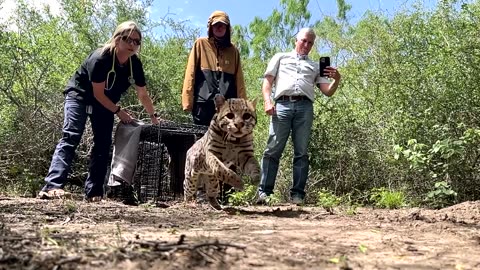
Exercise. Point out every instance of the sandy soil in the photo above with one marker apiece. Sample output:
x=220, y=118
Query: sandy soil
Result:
x=71, y=234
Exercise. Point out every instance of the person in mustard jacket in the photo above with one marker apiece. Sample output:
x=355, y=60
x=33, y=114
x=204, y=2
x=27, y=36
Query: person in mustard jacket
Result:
x=213, y=68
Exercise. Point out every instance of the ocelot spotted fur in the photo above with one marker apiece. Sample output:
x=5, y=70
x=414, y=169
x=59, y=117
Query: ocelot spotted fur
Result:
x=228, y=143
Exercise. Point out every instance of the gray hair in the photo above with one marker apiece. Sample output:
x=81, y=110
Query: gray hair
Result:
x=307, y=30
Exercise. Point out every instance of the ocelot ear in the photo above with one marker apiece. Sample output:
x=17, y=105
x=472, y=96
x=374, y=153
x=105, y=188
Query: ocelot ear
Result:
x=219, y=101
x=254, y=102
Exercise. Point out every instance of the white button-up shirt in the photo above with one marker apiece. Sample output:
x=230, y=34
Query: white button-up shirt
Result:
x=294, y=75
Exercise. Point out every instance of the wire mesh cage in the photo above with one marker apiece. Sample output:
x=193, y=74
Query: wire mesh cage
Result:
x=152, y=180
x=159, y=172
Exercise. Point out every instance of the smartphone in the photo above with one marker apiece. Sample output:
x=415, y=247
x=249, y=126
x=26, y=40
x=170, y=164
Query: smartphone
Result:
x=324, y=62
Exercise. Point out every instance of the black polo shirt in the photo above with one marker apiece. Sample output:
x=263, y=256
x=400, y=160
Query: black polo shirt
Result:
x=96, y=68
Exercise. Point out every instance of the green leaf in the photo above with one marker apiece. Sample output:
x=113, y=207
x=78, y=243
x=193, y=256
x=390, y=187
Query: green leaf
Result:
x=334, y=260
x=362, y=248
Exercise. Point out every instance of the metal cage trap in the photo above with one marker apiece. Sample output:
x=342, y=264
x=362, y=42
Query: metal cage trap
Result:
x=159, y=171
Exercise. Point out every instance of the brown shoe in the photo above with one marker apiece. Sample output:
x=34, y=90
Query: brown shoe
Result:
x=54, y=194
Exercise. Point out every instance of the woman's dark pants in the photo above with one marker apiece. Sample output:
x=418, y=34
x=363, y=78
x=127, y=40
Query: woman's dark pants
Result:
x=75, y=118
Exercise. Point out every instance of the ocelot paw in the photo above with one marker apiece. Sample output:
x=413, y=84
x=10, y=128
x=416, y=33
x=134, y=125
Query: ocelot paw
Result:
x=255, y=179
x=236, y=182
x=240, y=187
x=190, y=202
x=214, y=203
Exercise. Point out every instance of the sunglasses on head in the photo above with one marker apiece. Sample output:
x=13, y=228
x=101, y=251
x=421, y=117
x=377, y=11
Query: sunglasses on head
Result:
x=130, y=40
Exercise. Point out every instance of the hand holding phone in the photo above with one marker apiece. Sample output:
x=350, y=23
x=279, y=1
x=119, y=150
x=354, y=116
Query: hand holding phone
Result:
x=324, y=63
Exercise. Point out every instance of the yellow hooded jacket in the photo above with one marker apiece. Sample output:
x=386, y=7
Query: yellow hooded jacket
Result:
x=213, y=69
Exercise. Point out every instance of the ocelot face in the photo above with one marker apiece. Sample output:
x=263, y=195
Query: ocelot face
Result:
x=236, y=116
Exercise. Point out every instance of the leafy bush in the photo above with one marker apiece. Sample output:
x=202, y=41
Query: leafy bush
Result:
x=245, y=197
x=451, y=159
x=389, y=199
x=327, y=200
x=273, y=199
x=441, y=196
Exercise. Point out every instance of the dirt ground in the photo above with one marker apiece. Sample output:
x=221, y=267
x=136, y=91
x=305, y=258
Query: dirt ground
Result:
x=71, y=234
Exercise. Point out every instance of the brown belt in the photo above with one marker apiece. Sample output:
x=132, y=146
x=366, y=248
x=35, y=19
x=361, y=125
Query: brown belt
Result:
x=292, y=98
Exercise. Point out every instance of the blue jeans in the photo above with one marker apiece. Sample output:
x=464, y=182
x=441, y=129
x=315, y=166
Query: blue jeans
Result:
x=297, y=117
x=75, y=118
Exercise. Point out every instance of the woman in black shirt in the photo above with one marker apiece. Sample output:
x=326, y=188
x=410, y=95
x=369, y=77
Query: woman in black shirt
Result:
x=93, y=92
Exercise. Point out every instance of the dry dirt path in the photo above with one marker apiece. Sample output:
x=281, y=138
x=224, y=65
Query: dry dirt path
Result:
x=71, y=234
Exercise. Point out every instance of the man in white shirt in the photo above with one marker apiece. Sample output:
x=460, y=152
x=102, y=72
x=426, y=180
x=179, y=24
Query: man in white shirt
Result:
x=294, y=76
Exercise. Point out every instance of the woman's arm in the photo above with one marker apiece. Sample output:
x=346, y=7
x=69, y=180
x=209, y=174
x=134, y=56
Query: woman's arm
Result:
x=147, y=103
x=99, y=94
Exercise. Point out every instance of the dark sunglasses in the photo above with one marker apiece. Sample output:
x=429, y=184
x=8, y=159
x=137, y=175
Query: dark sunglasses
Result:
x=133, y=41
